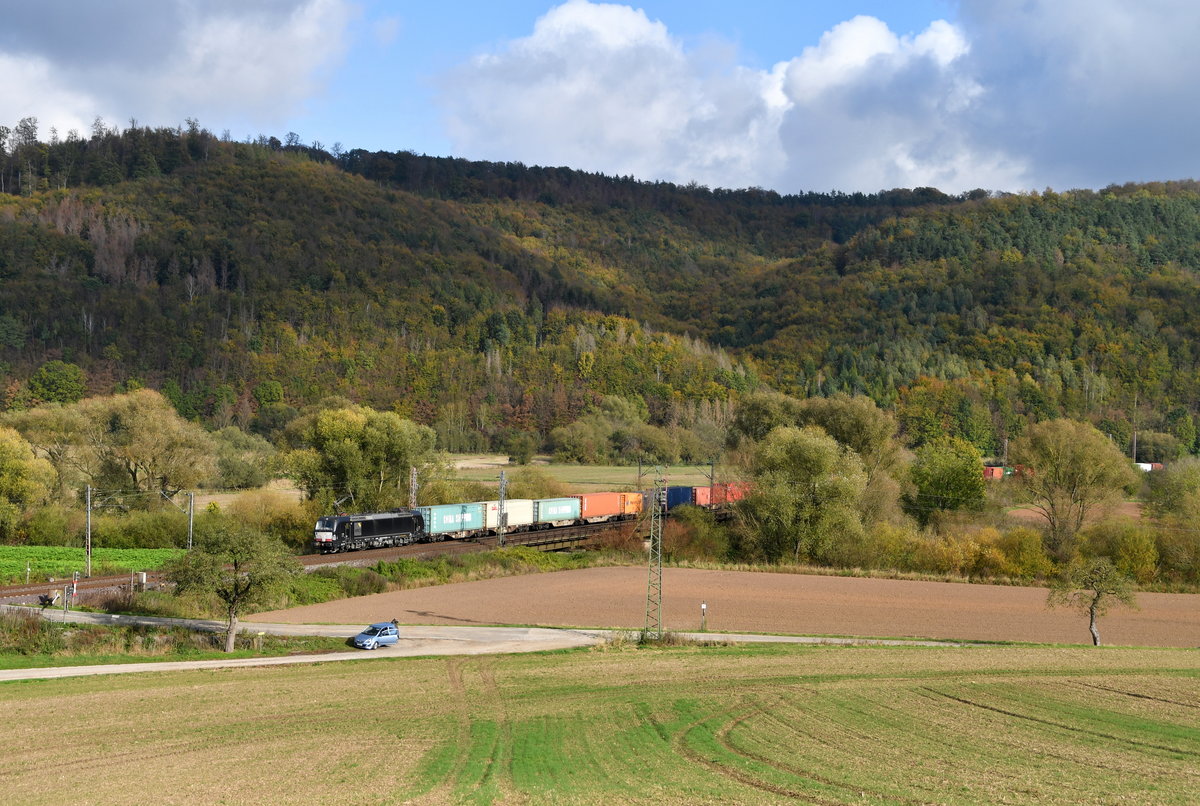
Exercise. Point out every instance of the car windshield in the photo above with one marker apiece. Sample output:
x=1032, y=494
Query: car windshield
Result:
x=373, y=631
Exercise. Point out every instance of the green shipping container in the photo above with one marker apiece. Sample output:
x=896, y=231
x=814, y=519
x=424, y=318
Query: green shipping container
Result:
x=449, y=519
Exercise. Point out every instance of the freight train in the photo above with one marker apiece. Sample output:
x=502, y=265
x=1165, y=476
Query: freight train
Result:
x=401, y=527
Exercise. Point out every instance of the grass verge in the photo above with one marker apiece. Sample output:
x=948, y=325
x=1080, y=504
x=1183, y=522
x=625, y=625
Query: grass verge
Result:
x=28, y=641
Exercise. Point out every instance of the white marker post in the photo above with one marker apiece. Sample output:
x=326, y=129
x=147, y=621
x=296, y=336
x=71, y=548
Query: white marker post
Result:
x=704, y=617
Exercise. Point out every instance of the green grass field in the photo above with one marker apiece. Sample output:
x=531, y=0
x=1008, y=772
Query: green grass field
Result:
x=769, y=724
x=60, y=561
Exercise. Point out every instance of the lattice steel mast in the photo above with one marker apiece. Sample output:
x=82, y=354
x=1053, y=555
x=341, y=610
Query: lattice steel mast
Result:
x=653, y=628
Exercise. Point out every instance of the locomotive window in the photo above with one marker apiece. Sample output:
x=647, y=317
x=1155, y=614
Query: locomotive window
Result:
x=358, y=529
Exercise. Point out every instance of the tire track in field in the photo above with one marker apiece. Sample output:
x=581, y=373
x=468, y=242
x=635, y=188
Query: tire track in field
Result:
x=493, y=701
x=457, y=694
x=679, y=741
x=842, y=717
x=723, y=737
x=1136, y=695
x=1062, y=726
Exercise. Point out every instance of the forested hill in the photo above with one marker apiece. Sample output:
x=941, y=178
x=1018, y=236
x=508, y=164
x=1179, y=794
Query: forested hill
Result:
x=248, y=279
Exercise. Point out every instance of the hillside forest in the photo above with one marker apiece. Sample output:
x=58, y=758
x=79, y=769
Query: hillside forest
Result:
x=277, y=306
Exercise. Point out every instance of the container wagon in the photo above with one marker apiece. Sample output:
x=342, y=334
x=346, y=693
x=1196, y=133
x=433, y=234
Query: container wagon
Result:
x=726, y=493
x=601, y=507
x=449, y=521
x=549, y=512
x=679, y=496
x=518, y=514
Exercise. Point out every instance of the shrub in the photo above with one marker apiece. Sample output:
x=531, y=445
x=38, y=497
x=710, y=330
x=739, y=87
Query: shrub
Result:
x=1026, y=553
x=29, y=634
x=277, y=514
x=882, y=546
x=55, y=525
x=314, y=588
x=1178, y=546
x=1129, y=546
x=160, y=529
x=694, y=534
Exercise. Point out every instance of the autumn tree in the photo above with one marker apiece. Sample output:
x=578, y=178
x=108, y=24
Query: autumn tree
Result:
x=25, y=480
x=358, y=450
x=1070, y=470
x=1092, y=586
x=857, y=423
x=807, y=490
x=237, y=564
x=947, y=476
x=57, y=382
x=54, y=433
x=1175, y=491
x=138, y=442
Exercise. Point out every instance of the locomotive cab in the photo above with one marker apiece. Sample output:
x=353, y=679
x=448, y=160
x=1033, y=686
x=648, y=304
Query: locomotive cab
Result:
x=325, y=536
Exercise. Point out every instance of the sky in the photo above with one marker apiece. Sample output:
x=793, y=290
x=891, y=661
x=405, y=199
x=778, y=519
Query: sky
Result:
x=790, y=95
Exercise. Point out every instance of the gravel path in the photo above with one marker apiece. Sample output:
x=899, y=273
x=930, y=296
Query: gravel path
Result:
x=770, y=603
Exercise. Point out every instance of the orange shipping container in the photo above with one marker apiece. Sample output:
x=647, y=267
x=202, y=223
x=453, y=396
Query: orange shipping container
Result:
x=702, y=496
x=595, y=507
x=728, y=492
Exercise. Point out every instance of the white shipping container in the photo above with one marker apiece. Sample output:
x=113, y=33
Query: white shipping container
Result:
x=519, y=511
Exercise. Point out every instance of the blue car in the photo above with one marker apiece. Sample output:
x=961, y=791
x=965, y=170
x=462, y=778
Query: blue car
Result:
x=377, y=635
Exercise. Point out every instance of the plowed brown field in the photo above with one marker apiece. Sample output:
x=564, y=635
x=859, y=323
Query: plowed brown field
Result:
x=770, y=603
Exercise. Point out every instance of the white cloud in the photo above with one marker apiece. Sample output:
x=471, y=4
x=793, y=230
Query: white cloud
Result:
x=218, y=61
x=869, y=110
x=28, y=87
x=603, y=87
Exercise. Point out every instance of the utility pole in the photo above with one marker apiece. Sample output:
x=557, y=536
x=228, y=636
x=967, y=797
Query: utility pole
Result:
x=191, y=518
x=190, y=512
x=87, y=542
x=412, y=487
x=501, y=512
x=653, y=626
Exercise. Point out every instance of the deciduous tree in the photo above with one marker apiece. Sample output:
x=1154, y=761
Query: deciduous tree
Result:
x=1070, y=470
x=807, y=491
x=25, y=480
x=947, y=475
x=237, y=564
x=57, y=382
x=356, y=449
x=1092, y=586
x=137, y=441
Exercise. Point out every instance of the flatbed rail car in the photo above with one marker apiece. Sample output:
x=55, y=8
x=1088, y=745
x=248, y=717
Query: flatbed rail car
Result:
x=368, y=531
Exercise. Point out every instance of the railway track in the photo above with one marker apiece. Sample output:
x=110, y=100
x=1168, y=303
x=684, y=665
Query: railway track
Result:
x=543, y=540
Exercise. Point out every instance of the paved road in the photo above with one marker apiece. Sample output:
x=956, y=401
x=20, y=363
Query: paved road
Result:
x=416, y=641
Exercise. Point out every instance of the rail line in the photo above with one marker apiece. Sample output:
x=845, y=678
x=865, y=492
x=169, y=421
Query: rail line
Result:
x=542, y=540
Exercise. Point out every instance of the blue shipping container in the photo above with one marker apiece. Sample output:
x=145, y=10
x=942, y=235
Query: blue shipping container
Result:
x=678, y=495
x=450, y=518
x=551, y=510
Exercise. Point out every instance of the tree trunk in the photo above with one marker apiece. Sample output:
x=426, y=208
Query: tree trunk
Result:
x=231, y=633
x=1092, y=625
